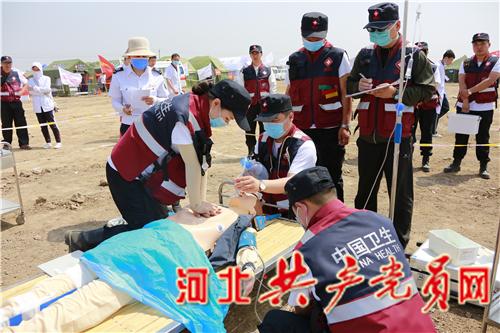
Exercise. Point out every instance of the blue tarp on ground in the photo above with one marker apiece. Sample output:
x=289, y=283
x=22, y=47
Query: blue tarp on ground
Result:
x=143, y=263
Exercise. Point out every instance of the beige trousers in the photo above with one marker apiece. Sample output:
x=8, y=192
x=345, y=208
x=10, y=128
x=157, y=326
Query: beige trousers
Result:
x=77, y=312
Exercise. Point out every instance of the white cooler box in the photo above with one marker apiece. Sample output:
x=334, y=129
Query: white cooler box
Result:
x=463, y=123
x=423, y=256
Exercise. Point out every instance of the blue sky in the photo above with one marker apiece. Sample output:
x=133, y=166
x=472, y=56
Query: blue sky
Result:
x=47, y=31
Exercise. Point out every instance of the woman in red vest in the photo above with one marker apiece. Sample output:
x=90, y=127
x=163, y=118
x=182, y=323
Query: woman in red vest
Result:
x=164, y=152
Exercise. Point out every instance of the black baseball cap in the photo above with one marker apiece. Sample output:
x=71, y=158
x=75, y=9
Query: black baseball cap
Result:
x=422, y=45
x=480, y=36
x=307, y=183
x=273, y=105
x=382, y=15
x=255, y=48
x=314, y=25
x=6, y=59
x=235, y=98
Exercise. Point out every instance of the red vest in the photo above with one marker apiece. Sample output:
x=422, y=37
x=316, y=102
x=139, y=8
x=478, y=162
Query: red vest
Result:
x=474, y=74
x=433, y=103
x=336, y=230
x=257, y=84
x=377, y=116
x=315, y=87
x=11, y=85
x=145, y=152
x=278, y=167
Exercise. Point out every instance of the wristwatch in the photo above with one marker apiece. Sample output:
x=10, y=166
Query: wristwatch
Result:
x=262, y=186
x=346, y=126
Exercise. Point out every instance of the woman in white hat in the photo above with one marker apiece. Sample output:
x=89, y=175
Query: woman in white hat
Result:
x=135, y=88
x=43, y=104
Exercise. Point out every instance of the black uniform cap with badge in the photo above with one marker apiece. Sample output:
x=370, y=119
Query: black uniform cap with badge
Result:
x=480, y=36
x=6, y=59
x=381, y=16
x=307, y=183
x=314, y=24
x=255, y=48
x=273, y=105
x=234, y=98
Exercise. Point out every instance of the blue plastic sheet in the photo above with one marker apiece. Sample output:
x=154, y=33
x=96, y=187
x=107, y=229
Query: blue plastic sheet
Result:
x=143, y=263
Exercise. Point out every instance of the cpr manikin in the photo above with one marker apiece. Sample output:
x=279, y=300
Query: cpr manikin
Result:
x=95, y=300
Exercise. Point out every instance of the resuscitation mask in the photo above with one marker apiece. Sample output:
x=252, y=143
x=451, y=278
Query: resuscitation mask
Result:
x=313, y=46
x=139, y=63
x=381, y=38
x=275, y=130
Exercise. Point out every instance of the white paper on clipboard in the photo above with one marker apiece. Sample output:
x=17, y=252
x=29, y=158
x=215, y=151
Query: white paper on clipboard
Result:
x=134, y=98
x=395, y=83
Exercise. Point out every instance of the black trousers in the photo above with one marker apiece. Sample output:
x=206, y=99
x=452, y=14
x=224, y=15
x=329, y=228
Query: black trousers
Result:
x=330, y=154
x=123, y=129
x=13, y=112
x=445, y=107
x=279, y=321
x=482, y=137
x=133, y=201
x=426, y=120
x=370, y=157
x=48, y=117
x=250, y=136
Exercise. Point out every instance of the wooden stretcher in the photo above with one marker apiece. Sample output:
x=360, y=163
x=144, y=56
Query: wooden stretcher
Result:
x=276, y=240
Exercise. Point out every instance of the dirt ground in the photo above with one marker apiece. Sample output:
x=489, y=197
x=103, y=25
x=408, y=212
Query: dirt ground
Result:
x=65, y=189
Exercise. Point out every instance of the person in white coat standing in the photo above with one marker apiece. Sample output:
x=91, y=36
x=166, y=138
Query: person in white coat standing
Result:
x=43, y=104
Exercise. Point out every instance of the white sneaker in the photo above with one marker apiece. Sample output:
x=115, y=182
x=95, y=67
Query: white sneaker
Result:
x=47, y=146
x=58, y=145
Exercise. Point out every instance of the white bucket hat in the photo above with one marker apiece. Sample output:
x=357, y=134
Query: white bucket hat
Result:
x=138, y=46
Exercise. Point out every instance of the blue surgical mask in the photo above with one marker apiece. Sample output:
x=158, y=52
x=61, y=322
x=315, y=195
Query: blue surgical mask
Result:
x=217, y=122
x=175, y=62
x=139, y=63
x=313, y=46
x=381, y=38
x=275, y=130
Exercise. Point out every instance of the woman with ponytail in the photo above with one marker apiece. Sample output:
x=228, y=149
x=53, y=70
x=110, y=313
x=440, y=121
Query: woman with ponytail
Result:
x=164, y=154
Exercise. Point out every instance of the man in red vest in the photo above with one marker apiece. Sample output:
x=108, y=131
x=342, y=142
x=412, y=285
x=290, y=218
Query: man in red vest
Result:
x=259, y=81
x=425, y=115
x=334, y=231
x=317, y=78
x=13, y=86
x=478, y=81
x=379, y=66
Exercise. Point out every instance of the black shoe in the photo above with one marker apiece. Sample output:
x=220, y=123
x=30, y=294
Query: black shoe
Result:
x=25, y=147
x=453, y=167
x=83, y=240
x=425, y=164
x=483, y=172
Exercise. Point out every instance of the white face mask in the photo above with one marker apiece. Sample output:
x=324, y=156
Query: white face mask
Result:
x=37, y=75
x=304, y=223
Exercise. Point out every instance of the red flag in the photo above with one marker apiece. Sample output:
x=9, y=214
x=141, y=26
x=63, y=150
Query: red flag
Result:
x=106, y=67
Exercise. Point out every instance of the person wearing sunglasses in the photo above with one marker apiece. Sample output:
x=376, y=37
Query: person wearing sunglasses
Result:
x=379, y=66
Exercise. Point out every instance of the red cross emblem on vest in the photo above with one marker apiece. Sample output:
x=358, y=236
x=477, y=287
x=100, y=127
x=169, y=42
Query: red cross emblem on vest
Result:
x=328, y=62
x=398, y=65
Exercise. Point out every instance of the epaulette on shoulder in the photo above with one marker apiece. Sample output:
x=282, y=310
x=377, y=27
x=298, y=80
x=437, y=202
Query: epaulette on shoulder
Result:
x=156, y=71
x=117, y=70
